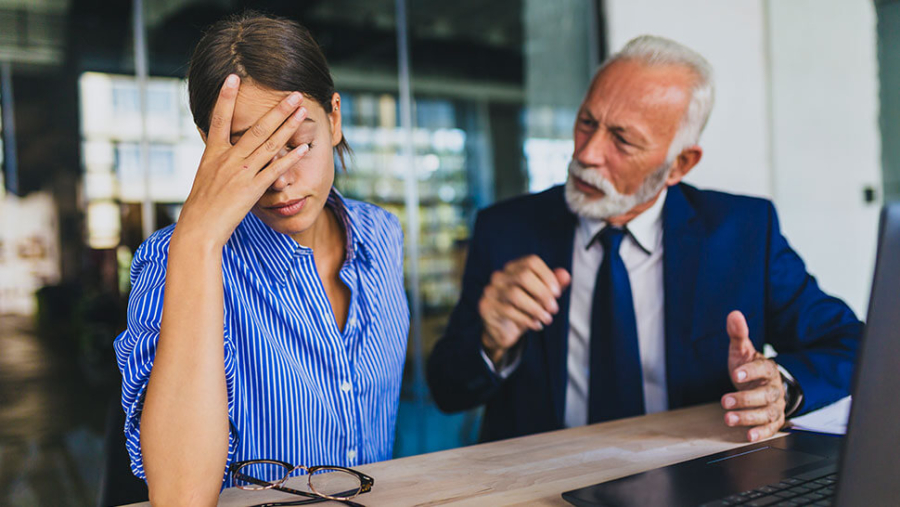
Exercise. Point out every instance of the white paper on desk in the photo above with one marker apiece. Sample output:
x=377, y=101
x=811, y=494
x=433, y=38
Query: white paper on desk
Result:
x=831, y=419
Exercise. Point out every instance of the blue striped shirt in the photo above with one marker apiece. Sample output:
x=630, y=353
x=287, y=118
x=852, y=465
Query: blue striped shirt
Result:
x=299, y=389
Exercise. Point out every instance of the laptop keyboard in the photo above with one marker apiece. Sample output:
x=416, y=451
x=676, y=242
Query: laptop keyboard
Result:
x=811, y=488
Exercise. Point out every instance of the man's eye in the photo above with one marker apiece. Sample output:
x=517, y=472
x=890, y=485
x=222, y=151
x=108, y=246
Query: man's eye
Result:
x=587, y=122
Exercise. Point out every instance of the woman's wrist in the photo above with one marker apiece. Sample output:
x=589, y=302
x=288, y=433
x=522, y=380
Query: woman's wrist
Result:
x=194, y=241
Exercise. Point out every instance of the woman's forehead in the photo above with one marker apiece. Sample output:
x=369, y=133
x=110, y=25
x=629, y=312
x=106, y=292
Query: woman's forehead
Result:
x=255, y=101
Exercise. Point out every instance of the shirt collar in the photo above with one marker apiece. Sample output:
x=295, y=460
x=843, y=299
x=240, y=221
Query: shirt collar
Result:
x=355, y=241
x=275, y=250
x=645, y=229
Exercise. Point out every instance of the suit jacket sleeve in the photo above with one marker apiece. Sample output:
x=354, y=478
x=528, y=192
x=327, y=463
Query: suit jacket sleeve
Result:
x=458, y=375
x=816, y=335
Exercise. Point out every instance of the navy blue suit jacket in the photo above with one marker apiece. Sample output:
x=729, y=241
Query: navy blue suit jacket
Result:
x=722, y=252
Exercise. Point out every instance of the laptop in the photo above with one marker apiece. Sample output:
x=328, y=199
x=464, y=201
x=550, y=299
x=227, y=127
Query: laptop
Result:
x=802, y=468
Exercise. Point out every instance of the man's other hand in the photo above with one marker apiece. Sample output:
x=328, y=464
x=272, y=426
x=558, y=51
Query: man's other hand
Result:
x=519, y=297
x=759, y=401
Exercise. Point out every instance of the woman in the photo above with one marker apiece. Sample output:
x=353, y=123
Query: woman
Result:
x=270, y=322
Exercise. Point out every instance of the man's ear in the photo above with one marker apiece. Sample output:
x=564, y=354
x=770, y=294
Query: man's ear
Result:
x=335, y=118
x=684, y=162
x=202, y=134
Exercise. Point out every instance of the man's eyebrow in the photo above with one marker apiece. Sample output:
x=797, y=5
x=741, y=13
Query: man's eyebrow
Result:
x=634, y=133
x=240, y=133
x=584, y=112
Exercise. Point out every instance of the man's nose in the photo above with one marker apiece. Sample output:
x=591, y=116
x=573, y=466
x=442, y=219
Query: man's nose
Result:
x=593, y=152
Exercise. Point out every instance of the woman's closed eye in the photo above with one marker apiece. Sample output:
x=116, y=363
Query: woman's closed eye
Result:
x=291, y=146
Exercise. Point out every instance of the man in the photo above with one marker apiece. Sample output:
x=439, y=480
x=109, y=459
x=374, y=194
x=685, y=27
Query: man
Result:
x=627, y=292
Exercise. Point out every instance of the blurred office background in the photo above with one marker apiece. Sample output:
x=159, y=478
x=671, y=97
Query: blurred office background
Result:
x=449, y=107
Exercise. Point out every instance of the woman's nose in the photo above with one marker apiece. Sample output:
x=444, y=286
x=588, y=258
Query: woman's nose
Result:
x=284, y=180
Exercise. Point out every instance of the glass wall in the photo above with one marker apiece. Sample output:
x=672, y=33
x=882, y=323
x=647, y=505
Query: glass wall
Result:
x=494, y=87
x=493, y=105
x=59, y=304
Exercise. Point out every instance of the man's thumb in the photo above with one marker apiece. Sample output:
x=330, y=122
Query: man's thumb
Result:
x=563, y=277
x=739, y=334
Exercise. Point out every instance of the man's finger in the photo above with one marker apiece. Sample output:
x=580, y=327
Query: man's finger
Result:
x=540, y=269
x=539, y=291
x=755, y=416
x=220, y=120
x=759, y=369
x=753, y=398
x=525, y=303
x=764, y=431
x=521, y=320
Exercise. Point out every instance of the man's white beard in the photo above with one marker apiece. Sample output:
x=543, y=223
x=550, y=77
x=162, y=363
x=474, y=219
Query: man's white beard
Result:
x=613, y=203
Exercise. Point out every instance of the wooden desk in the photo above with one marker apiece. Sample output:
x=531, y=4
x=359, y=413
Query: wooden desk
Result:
x=535, y=470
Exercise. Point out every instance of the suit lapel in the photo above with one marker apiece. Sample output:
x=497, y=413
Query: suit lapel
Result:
x=556, y=236
x=683, y=246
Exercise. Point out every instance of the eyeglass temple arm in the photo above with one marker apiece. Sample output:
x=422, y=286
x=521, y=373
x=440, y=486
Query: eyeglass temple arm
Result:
x=348, y=503
x=313, y=498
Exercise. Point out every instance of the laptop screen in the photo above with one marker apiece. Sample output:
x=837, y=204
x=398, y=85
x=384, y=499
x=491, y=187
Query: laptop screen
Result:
x=871, y=456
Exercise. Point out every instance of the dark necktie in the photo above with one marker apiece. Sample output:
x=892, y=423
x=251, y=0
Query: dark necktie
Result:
x=616, y=383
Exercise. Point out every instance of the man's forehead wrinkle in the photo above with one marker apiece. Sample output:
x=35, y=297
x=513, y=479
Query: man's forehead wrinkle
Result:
x=629, y=74
x=644, y=102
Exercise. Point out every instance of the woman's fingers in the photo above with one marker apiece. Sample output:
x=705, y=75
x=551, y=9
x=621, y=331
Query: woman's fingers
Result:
x=260, y=133
x=264, y=153
x=271, y=172
x=220, y=121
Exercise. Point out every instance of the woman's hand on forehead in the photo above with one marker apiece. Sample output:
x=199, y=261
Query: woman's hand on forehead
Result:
x=232, y=177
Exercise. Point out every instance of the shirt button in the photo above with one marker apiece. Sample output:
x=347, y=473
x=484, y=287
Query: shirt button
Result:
x=351, y=454
x=345, y=386
x=352, y=321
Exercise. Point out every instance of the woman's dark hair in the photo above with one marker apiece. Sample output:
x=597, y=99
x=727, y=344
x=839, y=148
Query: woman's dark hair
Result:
x=274, y=52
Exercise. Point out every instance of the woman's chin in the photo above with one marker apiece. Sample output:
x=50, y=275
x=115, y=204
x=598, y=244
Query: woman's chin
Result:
x=292, y=226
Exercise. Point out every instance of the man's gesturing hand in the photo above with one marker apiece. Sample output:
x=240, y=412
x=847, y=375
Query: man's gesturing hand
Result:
x=519, y=297
x=759, y=401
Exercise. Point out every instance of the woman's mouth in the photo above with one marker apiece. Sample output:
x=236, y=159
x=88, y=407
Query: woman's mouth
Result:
x=287, y=208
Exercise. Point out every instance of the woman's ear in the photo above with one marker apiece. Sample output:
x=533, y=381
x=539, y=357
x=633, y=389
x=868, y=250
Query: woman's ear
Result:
x=334, y=117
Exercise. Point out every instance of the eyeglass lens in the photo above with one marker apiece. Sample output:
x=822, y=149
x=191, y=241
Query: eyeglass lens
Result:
x=265, y=472
x=335, y=482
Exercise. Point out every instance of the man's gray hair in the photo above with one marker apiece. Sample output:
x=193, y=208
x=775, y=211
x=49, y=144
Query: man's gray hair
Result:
x=652, y=50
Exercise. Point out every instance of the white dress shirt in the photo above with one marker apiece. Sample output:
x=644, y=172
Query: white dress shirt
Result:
x=642, y=254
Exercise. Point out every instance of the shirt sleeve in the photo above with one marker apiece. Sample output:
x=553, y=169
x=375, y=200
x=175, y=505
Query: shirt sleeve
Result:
x=508, y=363
x=135, y=348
